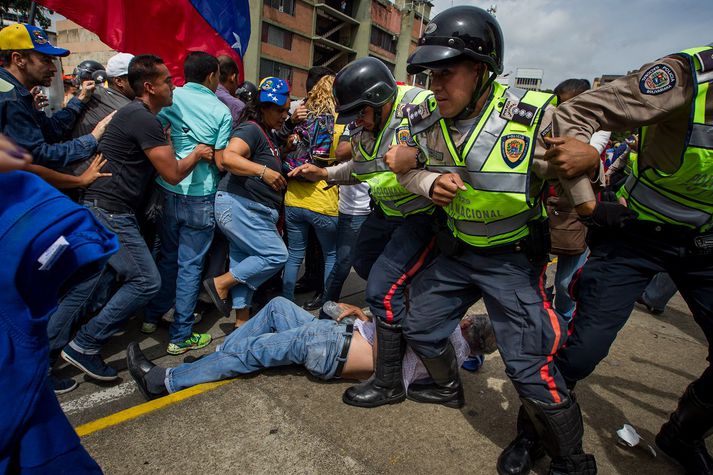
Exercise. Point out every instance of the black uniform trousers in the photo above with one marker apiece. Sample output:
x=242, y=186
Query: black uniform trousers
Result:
x=389, y=251
x=620, y=266
x=527, y=329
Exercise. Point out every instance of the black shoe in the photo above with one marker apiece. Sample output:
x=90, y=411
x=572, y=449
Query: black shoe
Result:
x=223, y=306
x=370, y=394
x=682, y=437
x=315, y=303
x=446, y=388
x=559, y=426
x=139, y=366
x=63, y=385
x=386, y=385
x=519, y=455
x=649, y=308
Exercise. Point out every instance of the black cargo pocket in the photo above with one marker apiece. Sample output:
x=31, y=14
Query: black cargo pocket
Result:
x=536, y=326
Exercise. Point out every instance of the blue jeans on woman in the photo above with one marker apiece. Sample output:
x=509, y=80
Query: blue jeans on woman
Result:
x=278, y=335
x=257, y=252
x=185, y=231
x=297, y=223
x=348, y=229
x=567, y=266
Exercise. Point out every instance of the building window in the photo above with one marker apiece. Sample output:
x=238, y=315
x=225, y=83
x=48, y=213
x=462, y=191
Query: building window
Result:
x=383, y=39
x=283, y=6
x=273, y=68
x=276, y=36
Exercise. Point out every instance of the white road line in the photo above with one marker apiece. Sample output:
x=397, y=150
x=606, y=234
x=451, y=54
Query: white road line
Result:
x=98, y=398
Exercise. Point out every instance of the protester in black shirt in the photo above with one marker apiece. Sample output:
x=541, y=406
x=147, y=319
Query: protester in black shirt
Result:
x=248, y=202
x=135, y=147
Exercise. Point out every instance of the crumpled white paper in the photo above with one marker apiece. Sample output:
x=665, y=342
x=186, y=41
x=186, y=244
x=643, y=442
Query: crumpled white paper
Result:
x=628, y=436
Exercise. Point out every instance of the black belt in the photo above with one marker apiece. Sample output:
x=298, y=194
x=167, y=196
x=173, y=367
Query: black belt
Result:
x=695, y=241
x=109, y=206
x=345, y=350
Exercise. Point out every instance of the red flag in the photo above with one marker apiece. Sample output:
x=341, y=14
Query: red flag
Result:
x=167, y=28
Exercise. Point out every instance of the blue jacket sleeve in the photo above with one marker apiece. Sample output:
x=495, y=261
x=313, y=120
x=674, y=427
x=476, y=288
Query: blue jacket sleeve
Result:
x=24, y=129
x=60, y=125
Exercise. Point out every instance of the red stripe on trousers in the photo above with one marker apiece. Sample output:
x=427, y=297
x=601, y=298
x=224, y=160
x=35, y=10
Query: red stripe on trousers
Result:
x=554, y=321
x=407, y=275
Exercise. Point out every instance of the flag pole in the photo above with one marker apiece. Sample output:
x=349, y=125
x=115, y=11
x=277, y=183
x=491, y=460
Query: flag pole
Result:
x=33, y=13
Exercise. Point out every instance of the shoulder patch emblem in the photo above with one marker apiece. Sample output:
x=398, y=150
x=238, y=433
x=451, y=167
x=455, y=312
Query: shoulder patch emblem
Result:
x=403, y=136
x=546, y=133
x=514, y=149
x=519, y=112
x=416, y=112
x=657, y=80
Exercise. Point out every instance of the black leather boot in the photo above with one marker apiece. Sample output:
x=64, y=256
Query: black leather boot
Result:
x=446, y=388
x=386, y=385
x=681, y=438
x=517, y=458
x=561, y=429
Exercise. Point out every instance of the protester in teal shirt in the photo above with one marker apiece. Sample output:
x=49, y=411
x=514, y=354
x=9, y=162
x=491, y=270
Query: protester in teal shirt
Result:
x=187, y=221
x=196, y=116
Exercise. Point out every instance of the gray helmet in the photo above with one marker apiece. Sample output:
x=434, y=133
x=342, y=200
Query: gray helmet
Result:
x=89, y=70
x=364, y=82
x=463, y=31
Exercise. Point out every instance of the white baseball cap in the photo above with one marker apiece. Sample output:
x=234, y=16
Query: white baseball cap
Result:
x=118, y=65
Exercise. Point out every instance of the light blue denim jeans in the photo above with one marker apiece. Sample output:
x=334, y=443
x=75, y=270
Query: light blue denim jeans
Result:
x=186, y=231
x=297, y=223
x=257, y=252
x=278, y=335
x=567, y=266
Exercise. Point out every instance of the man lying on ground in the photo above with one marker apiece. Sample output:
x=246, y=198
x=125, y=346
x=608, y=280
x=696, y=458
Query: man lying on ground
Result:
x=282, y=334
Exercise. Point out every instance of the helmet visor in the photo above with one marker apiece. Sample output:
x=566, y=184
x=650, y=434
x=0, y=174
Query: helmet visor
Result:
x=425, y=56
x=349, y=116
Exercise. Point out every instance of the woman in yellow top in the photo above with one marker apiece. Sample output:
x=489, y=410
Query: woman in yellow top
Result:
x=310, y=204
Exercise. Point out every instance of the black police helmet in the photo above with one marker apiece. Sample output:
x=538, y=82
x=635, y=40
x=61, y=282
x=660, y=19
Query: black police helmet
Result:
x=463, y=31
x=364, y=82
x=247, y=92
x=85, y=71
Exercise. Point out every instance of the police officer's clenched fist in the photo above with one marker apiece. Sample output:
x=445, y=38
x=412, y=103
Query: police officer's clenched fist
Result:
x=401, y=158
x=445, y=188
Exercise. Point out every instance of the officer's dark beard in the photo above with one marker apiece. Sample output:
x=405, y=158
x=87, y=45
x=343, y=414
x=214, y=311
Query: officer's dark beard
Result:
x=478, y=90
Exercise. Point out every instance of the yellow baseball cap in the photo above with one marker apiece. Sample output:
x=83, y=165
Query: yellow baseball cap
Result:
x=28, y=37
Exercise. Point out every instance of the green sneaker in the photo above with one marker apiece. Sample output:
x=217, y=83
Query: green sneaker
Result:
x=197, y=340
x=148, y=328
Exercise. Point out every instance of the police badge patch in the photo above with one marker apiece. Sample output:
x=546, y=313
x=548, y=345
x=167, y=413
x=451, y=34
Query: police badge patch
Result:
x=403, y=136
x=514, y=149
x=657, y=80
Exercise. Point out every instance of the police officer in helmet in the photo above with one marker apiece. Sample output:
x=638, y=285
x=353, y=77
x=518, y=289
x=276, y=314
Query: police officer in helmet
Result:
x=396, y=240
x=481, y=154
x=670, y=193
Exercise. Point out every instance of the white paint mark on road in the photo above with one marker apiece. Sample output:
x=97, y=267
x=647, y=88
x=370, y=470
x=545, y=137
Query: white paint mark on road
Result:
x=98, y=398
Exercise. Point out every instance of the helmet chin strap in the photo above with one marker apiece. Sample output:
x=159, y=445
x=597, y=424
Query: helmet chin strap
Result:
x=478, y=91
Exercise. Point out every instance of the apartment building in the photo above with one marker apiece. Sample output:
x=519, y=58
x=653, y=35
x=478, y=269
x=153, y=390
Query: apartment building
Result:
x=290, y=36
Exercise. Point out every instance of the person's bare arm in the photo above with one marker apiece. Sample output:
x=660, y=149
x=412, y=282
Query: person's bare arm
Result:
x=66, y=181
x=172, y=170
x=344, y=151
x=236, y=159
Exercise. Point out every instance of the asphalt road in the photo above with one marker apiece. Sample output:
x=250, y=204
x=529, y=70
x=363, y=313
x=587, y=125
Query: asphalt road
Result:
x=286, y=421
